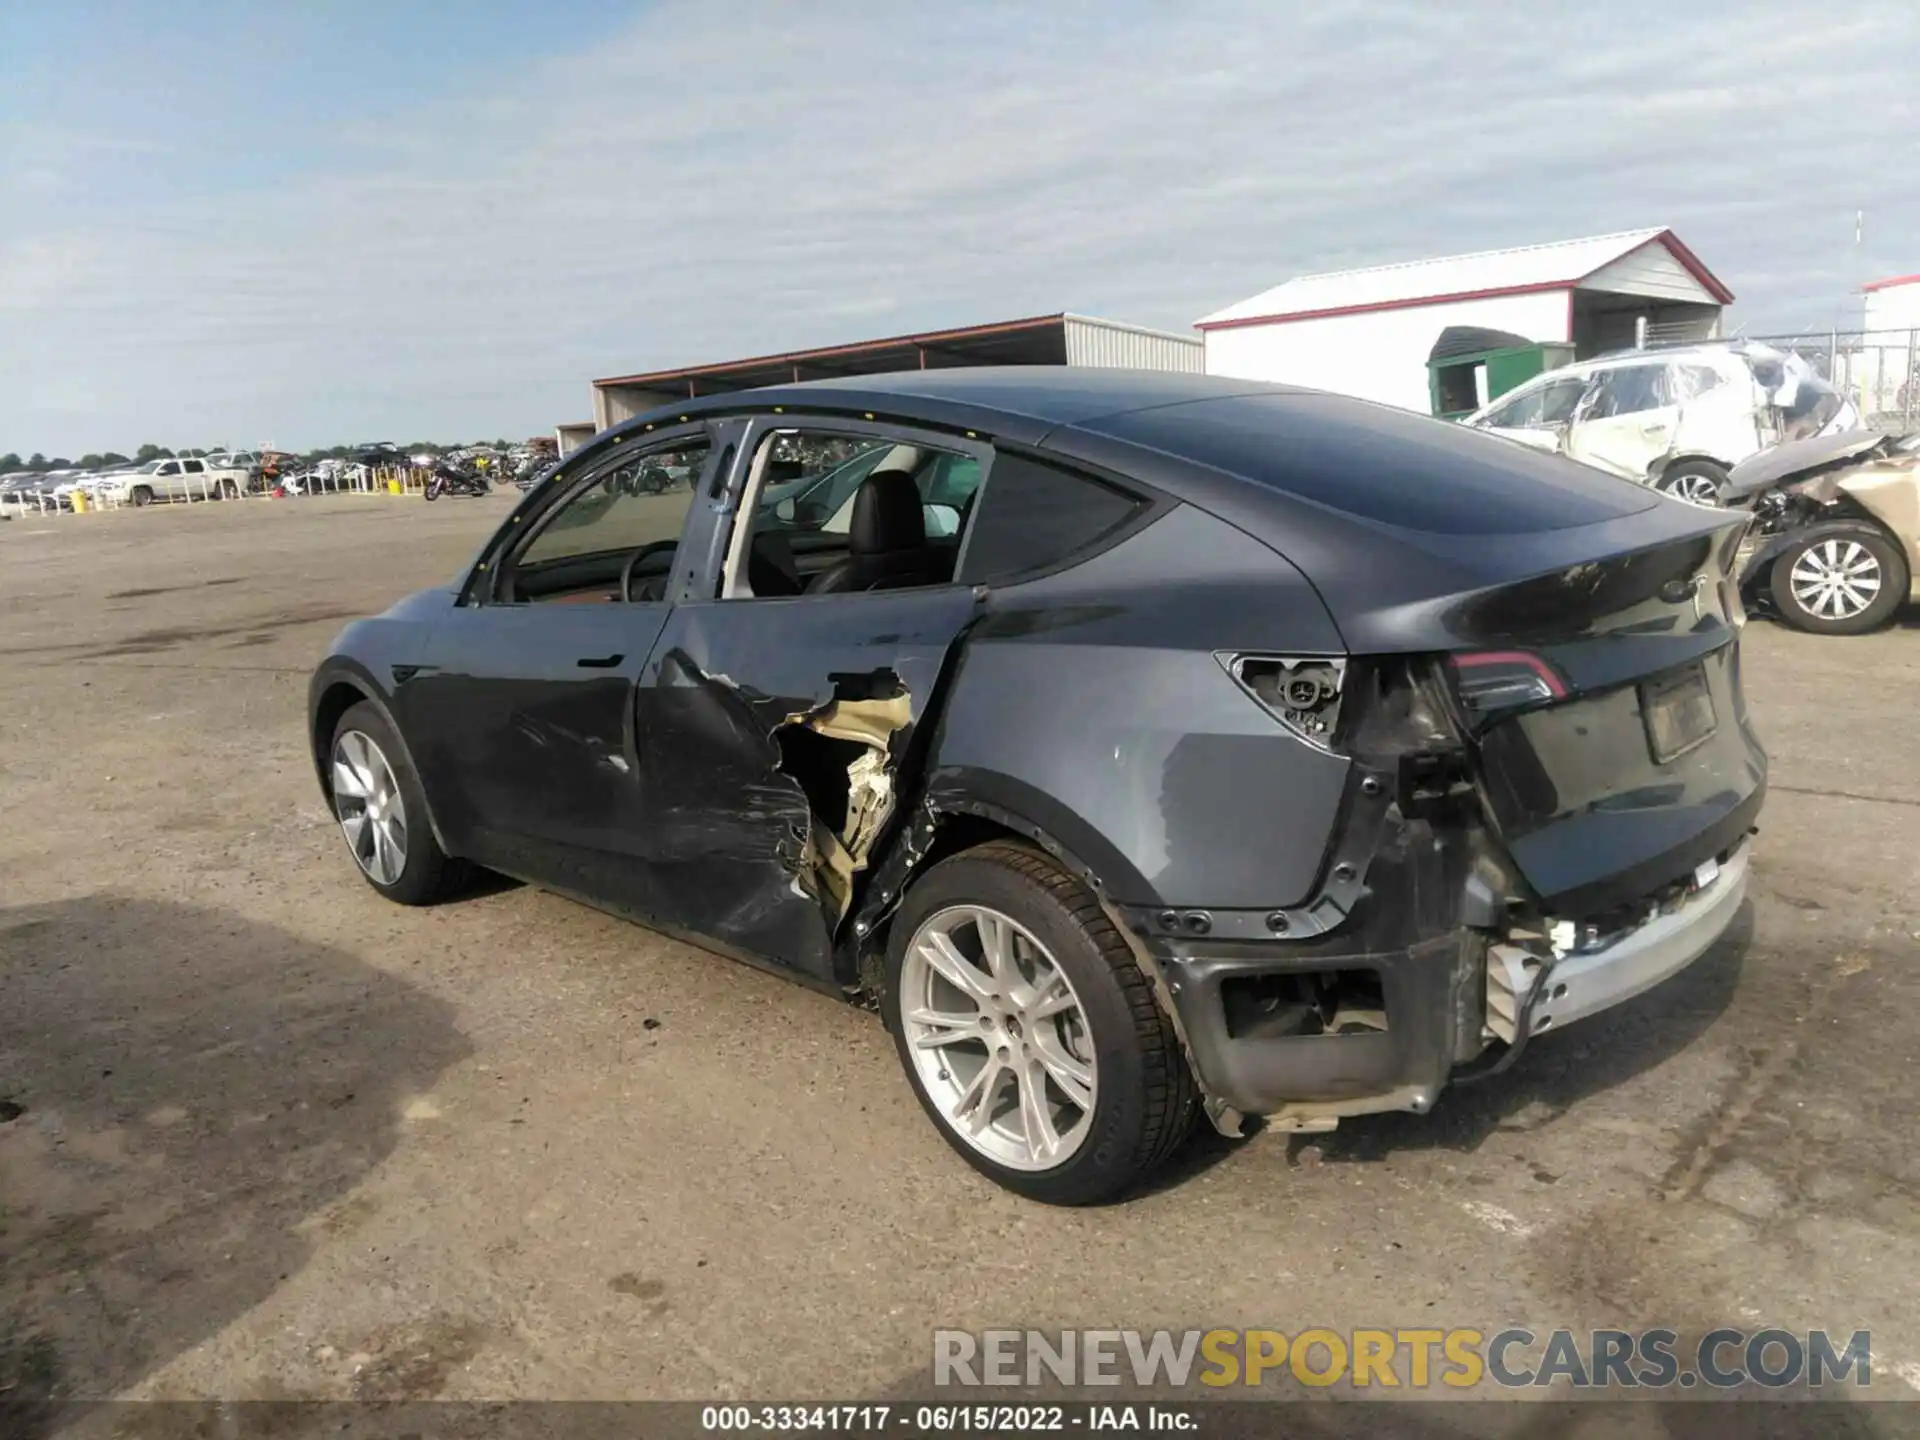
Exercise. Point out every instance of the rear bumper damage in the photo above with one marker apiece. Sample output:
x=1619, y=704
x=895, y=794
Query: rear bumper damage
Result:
x=1306, y=1040
x=1613, y=969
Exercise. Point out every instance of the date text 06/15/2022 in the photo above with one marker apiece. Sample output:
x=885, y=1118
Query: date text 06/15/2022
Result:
x=947, y=1419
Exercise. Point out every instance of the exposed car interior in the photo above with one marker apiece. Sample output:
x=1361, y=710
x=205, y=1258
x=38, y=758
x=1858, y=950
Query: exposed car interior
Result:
x=831, y=514
x=890, y=516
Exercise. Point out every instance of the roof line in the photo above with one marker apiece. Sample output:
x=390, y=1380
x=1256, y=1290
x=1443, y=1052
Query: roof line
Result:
x=1538, y=288
x=1645, y=232
x=1689, y=262
x=793, y=357
x=1889, y=283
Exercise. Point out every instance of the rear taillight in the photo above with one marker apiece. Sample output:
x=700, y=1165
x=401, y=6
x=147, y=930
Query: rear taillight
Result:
x=1492, y=682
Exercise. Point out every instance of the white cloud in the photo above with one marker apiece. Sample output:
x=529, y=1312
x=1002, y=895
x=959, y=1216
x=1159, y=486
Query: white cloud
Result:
x=727, y=180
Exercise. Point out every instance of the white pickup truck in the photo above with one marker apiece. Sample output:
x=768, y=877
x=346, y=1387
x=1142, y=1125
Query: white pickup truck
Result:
x=175, y=479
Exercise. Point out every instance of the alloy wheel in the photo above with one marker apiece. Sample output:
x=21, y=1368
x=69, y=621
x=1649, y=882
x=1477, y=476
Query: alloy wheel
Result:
x=999, y=1038
x=367, y=799
x=1695, y=488
x=1835, y=579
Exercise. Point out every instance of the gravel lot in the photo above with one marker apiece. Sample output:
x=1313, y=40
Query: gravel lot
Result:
x=272, y=1137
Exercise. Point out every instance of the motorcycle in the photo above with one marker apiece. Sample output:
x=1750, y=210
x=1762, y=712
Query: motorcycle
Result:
x=1834, y=545
x=447, y=479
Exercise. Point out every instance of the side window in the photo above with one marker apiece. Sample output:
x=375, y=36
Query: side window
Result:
x=170, y=468
x=1032, y=516
x=195, y=467
x=844, y=512
x=1558, y=399
x=631, y=510
x=1520, y=412
x=1690, y=382
x=1626, y=391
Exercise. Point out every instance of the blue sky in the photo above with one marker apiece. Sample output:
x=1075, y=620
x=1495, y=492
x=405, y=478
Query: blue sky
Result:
x=309, y=224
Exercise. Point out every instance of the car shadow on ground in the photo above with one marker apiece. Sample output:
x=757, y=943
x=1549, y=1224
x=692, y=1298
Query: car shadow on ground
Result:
x=182, y=1093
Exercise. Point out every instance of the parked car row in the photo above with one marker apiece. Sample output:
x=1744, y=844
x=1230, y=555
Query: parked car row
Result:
x=228, y=475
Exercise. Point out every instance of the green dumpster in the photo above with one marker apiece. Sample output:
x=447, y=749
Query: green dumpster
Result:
x=1470, y=366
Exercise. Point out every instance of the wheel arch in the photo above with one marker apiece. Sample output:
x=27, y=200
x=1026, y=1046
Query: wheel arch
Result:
x=336, y=688
x=955, y=812
x=1668, y=462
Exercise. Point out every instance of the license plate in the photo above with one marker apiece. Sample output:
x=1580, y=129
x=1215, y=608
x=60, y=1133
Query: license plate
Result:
x=1678, y=709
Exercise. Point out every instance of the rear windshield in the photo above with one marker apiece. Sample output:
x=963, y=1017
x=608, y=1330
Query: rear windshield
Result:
x=1384, y=465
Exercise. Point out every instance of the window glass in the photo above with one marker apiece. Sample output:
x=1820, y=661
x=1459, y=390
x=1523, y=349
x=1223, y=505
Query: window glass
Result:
x=1689, y=382
x=641, y=500
x=1032, y=516
x=1517, y=412
x=1628, y=390
x=1378, y=464
x=1558, y=399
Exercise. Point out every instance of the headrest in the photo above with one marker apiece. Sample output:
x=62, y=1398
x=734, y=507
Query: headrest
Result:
x=887, y=514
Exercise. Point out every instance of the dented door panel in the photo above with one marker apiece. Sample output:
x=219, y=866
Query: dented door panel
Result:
x=775, y=741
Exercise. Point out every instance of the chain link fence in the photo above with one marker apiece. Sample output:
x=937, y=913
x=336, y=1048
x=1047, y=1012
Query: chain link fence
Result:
x=1878, y=370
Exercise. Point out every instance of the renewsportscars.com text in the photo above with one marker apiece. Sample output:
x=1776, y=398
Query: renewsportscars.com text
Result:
x=1413, y=1359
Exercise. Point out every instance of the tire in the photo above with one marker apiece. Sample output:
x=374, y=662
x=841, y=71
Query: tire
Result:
x=229, y=490
x=142, y=495
x=1143, y=1096
x=1867, y=557
x=426, y=874
x=1699, y=482
x=432, y=491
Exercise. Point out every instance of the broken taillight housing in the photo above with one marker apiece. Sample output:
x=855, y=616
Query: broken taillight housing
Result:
x=1492, y=682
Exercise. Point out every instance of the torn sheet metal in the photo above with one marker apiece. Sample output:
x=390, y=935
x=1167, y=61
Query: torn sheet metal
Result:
x=832, y=858
x=771, y=793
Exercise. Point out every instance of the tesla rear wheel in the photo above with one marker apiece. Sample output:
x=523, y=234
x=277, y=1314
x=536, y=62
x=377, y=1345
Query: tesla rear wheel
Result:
x=1028, y=1031
x=382, y=812
x=1699, y=482
x=1840, y=582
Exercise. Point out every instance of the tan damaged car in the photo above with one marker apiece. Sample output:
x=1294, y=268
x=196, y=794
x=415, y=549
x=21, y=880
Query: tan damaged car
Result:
x=1835, y=543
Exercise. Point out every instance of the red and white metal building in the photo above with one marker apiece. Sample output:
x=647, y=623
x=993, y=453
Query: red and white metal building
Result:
x=1059, y=339
x=1369, y=332
x=1892, y=304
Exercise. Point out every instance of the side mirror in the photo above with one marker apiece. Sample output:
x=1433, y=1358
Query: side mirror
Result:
x=942, y=521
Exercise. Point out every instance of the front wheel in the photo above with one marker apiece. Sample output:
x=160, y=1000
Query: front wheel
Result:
x=1840, y=580
x=433, y=488
x=1028, y=1031
x=382, y=812
x=1699, y=482
x=141, y=495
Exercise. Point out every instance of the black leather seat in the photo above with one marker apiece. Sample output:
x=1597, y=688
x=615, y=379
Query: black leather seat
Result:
x=887, y=540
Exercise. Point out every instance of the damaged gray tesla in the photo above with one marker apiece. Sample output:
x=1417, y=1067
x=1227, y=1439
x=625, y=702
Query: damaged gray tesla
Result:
x=1139, y=745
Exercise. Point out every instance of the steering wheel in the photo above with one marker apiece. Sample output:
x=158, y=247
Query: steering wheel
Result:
x=633, y=563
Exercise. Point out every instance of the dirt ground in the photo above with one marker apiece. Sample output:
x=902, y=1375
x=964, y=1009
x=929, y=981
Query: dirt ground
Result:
x=265, y=1135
